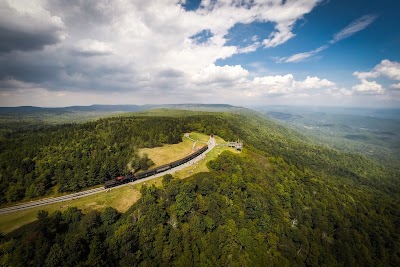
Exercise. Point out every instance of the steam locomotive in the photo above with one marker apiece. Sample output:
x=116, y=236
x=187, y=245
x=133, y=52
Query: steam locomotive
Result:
x=133, y=177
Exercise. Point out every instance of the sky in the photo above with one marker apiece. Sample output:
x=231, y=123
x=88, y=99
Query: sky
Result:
x=242, y=52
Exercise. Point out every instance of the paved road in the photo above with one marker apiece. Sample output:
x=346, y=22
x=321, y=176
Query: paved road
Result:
x=46, y=201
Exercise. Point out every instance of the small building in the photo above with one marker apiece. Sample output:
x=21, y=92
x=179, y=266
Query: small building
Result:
x=237, y=144
x=187, y=135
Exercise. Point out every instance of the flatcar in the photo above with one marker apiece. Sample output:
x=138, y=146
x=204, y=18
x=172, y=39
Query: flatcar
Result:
x=130, y=177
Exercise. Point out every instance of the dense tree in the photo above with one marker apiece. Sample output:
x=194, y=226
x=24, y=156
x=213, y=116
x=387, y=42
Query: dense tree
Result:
x=281, y=202
x=240, y=216
x=110, y=216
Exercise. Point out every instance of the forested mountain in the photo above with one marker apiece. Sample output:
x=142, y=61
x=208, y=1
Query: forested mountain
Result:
x=32, y=118
x=28, y=117
x=111, y=108
x=284, y=201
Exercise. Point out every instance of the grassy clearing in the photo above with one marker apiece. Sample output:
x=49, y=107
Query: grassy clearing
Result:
x=168, y=153
x=122, y=198
x=200, y=137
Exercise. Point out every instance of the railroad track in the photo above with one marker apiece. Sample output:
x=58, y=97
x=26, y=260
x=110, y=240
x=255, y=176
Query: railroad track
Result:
x=47, y=201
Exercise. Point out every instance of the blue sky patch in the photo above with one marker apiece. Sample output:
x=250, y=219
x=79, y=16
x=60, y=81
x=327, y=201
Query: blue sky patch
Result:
x=202, y=37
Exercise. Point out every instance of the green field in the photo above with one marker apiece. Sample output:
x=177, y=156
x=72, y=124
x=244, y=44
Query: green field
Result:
x=169, y=153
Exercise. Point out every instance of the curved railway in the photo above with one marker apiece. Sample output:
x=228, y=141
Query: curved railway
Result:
x=120, y=181
x=133, y=177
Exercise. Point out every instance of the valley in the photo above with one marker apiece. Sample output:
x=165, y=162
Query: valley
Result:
x=373, y=133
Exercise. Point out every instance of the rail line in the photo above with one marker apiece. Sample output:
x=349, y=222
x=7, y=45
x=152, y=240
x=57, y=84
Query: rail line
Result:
x=47, y=201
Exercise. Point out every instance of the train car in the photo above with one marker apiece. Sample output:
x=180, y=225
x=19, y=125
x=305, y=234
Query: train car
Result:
x=130, y=178
x=119, y=180
x=145, y=174
x=177, y=163
x=198, y=152
x=163, y=168
x=111, y=183
x=188, y=158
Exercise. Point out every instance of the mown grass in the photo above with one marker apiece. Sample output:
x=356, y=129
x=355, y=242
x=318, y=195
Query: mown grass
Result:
x=200, y=137
x=168, y=153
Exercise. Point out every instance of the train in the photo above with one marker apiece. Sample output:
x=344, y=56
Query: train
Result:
x=133, y=177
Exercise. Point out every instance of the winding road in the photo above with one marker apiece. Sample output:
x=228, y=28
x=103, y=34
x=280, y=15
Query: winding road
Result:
x=47, y=201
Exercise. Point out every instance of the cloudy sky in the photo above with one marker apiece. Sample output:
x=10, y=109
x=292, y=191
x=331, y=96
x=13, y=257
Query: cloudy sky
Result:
x=242, y=52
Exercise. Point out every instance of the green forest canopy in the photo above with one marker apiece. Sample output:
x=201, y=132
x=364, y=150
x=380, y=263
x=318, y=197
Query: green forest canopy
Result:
x=283, y=201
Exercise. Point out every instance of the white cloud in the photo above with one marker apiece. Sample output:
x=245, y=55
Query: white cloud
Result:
x=302, y=56
x=314, y=83
x=285, y=15
x=395, y=86
x=141, y=49
x=217, y=74
x=140, y=46
x=28, y=16
x=386, y=68
x=366, y=75
x=339, y=92
x=287, y=85
x=354, y=27
x=348, y=31
x=282, y=35
x=277, y=81
x=250, y=48
x=366, y=87
x=93, y=47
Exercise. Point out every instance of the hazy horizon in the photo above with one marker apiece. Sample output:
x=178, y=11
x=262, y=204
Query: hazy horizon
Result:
x=358, y=110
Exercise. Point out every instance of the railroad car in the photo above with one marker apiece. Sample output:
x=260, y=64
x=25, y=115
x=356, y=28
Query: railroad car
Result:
x=130, y=177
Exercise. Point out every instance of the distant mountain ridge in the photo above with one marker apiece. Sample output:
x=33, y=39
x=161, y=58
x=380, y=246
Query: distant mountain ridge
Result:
x=115, y=108
x=24, y=109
